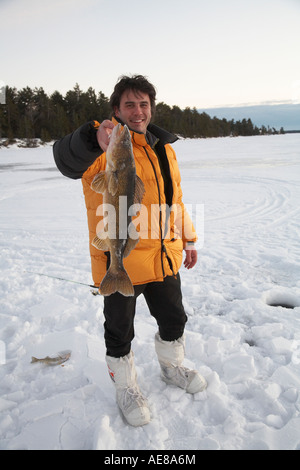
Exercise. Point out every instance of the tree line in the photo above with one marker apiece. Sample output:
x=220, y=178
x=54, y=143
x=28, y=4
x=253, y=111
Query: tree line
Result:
x=31, y=114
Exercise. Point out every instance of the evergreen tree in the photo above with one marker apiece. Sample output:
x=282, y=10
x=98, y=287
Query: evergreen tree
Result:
x=42, y=114
x=58, y=122
x=27, y=113
x=103, y=110
x=74, y=106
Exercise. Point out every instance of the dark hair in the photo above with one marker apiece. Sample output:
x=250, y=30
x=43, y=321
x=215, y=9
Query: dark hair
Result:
x=135, y=83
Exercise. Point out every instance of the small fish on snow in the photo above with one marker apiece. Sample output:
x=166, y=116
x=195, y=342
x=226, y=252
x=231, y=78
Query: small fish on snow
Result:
x=60, y=358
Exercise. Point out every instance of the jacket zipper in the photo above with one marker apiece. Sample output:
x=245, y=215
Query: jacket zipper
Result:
x=163, y=248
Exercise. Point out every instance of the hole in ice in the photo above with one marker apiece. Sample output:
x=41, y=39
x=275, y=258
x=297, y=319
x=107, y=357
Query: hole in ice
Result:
x=282, y=304
x=282, y=298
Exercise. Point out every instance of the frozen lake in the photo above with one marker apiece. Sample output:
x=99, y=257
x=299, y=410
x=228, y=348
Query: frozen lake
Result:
x=248, y=350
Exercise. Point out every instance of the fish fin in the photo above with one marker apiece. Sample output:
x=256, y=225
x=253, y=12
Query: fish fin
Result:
x=65, y=354
x=139, y=190
x=100, y=243
x=130, y=245
x=33, y=360
x=116, y=282
x=99, y=182
x=113, y=183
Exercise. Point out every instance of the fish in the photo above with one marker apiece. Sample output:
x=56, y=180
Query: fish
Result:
x=60, y=358
x=122, y=190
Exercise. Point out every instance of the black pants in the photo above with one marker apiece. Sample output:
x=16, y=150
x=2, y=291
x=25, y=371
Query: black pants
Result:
x=164, y=300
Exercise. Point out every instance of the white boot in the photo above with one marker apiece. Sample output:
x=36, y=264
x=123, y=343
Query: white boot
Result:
x=132, y=403
x=170, y=356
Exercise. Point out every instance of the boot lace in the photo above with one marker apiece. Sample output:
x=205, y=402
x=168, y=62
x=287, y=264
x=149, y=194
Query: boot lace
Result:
x=132, y=397
x=180, y=376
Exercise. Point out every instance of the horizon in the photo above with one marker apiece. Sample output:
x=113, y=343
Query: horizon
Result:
x=255, y=104
x=276, y=115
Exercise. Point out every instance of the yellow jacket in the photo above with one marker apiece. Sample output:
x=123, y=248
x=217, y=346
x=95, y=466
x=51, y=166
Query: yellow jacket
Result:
x=163, y=223
x=164, y=226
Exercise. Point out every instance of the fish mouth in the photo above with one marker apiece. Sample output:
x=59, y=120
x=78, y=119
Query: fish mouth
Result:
x=117, y=130
x=119, y=136
x=120, y=131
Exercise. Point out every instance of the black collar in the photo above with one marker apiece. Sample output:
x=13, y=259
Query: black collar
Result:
x=165, y=137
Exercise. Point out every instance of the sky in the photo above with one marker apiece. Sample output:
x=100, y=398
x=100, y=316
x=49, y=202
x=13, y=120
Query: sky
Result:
x=197, y=53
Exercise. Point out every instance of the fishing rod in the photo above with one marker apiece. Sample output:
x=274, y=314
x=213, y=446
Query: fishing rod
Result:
x=63, y=279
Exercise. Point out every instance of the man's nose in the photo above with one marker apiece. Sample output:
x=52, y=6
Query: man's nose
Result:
x=137, y=109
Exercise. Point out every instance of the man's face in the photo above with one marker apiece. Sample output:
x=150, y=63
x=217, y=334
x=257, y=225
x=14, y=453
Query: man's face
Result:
x=134, y=110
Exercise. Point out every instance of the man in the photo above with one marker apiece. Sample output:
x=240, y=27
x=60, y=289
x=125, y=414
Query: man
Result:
x=154, y=264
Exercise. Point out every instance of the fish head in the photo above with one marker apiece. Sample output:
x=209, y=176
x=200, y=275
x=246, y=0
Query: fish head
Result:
x=120, y=145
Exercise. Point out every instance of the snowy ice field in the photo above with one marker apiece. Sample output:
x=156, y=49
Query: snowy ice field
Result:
x=248, y=350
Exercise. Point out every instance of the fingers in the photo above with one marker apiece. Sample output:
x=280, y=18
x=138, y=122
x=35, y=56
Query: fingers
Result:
x=190, y=259
x=103, y=133
x=107, y=124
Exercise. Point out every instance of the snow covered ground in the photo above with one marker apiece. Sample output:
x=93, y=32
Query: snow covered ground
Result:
x=248, y=350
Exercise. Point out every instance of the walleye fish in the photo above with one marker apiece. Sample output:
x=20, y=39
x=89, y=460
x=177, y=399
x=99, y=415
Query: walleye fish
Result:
x=61, y=357
x=121, y=189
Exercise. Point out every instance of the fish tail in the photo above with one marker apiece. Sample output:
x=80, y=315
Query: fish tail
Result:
x=34, y=359
x=116, y=281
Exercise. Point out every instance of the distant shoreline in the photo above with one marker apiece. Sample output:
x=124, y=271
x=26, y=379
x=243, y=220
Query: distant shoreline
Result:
x=274, y=115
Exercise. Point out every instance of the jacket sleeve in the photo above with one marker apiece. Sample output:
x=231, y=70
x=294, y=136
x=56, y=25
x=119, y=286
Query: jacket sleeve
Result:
x=76, y=152
x=183, y=221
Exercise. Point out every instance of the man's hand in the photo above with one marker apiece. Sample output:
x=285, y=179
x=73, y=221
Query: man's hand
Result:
x=191, y=257
x=103, y=133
